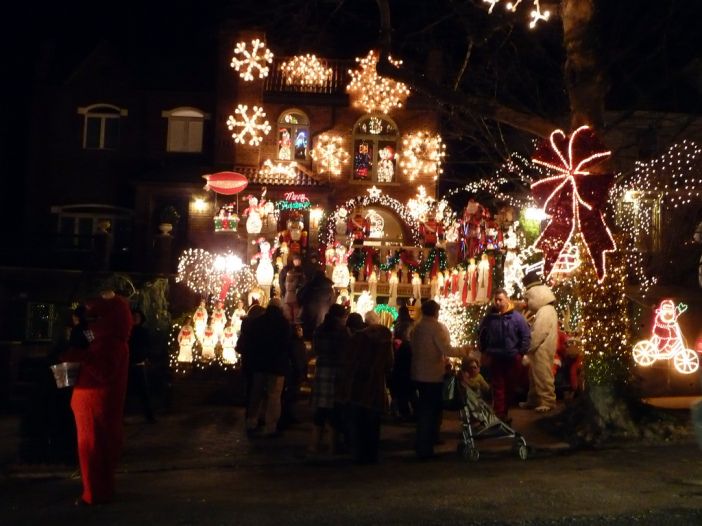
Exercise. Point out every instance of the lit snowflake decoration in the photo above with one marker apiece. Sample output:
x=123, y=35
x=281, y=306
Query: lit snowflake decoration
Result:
x=255, y=60
x=370, y=91
x=248, y=125
x=536, y=13
x=305, y=70
x=421, y=204
x=375, y=125
x=329, y=154
x=422, y=154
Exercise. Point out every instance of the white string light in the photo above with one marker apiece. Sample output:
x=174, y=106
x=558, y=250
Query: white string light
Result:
x=254, y=126
x=305, y=70
x=251, y=60
x=370, y=91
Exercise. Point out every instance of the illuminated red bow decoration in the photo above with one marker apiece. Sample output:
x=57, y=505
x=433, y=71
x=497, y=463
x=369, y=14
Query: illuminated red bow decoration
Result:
x=574, y=197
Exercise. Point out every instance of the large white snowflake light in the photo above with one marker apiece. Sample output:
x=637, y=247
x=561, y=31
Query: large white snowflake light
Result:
x=305, y=70
x=370, y=91
x=256, y=59
x=329, y=154
x=249, y=125
x=422, y=154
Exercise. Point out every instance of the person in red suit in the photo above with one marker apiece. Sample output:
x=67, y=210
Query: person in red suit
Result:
x=99, y=393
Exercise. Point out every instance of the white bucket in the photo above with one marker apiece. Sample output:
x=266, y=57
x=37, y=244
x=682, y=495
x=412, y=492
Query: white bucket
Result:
x=65, y=373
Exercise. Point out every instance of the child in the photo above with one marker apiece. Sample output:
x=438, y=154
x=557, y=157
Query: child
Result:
x=470, y=377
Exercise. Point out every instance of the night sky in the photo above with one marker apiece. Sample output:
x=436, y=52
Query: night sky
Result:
x=652, y=50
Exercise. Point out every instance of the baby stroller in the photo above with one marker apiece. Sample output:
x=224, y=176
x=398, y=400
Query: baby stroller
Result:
x=479, y=421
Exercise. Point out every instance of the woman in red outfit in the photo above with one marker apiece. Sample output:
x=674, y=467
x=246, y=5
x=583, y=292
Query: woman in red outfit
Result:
x=99, y=393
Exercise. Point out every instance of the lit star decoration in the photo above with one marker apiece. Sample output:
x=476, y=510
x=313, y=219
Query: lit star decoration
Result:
x=330, y=155
x=374, y=192
x=254, y=126
x=283, y=170
x=667, y=341
x=305, y=70
x=254, y=60
x=370, y=91
x=422, y=154
x=573, y=198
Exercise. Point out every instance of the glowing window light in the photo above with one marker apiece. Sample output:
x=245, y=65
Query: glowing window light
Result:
x=370, y=91
x=254, y=60
x=330, y=155
x=667, y=341
x=254, y=126
x=422, y=155
x=305, y=70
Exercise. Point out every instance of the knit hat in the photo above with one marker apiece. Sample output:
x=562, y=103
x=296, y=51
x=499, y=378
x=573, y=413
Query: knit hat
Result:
x=531, y=279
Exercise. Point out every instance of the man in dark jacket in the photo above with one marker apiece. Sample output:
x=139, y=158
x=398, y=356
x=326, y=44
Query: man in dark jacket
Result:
x=504, y=336
x=315, y=299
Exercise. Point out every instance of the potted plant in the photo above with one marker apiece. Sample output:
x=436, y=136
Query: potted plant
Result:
x=169, y=219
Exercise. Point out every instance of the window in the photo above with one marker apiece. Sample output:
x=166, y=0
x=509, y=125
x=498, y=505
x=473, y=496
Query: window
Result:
x=185, y=128
x=293, y=136
x=101, y=126
x=77, y=224
x=40, y=321
x=375, y=149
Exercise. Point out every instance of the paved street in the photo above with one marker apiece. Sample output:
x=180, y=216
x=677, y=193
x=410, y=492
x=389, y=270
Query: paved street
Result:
x=196, y=467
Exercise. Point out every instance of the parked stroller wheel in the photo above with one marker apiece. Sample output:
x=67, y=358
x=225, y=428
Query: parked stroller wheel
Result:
x=470, y=453
x=523, y=452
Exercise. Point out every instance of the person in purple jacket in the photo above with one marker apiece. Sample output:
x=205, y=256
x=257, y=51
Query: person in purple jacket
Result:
x=504, y=336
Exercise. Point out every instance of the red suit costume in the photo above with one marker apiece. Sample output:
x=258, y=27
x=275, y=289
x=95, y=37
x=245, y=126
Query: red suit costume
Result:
x=359, y=228
x=432, y=231
x=98, y=396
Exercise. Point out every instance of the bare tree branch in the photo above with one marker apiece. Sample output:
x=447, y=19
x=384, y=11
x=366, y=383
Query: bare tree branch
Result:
x=459, y=76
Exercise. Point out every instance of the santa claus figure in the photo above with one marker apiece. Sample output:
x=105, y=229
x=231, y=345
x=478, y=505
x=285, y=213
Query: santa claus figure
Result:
x=358, y=227
x=431, y=230
x=341, y=275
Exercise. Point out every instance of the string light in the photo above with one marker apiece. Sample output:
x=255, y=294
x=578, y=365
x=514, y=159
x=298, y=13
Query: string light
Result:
x=330, y=155
x=422, y=155
x=254, y=60
x=461, y=320
x=252, y=125
x=370, y=91
x=214, y=274
x=536, y=14
x=305, y=70
x=278, y=170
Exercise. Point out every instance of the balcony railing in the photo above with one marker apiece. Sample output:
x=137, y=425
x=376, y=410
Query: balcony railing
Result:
x=276, y=81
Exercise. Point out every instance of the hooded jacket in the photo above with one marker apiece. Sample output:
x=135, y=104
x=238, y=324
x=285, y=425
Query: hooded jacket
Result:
x=504, y=335
x=544, y=326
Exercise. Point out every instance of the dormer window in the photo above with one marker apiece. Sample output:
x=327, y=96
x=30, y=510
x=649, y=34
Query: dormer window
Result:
x=293, y=136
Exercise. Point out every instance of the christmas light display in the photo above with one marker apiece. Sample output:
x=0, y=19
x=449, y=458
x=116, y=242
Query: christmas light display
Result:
x=252, y=60
x=461, y=320
x=364, y=303
x=254, y=126
x=604, y=321
x=330, y=155
x=223, y=275
x=225, y=183
x=573, y=198
x=305, y=70
x=374, y=197
x=422, y=155
x=226, y=220
x=370, y=91
x=282, y=171
x=536, y=14
x=667, y=341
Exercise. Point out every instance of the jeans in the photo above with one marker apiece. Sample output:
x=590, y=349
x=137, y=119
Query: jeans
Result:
x=429, y=409
x=270, y=387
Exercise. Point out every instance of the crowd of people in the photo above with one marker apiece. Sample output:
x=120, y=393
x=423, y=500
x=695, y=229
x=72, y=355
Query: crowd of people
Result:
x=363, y=370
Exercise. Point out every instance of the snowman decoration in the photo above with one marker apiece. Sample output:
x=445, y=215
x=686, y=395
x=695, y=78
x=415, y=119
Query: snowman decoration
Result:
x=264, y=270
x=254, y=223
x=341, y=275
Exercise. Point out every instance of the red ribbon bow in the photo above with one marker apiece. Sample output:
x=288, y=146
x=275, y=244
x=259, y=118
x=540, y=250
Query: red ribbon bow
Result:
x=574, y=197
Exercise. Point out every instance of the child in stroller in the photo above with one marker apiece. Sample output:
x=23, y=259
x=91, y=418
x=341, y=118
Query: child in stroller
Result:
x=478, y=420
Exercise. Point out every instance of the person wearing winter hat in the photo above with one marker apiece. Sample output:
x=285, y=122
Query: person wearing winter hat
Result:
x=540, y=301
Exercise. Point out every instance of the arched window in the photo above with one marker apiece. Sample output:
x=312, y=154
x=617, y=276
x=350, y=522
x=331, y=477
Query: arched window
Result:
x=185, y=129
x=101, y=126
x=375, y=149
x=293, y=136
